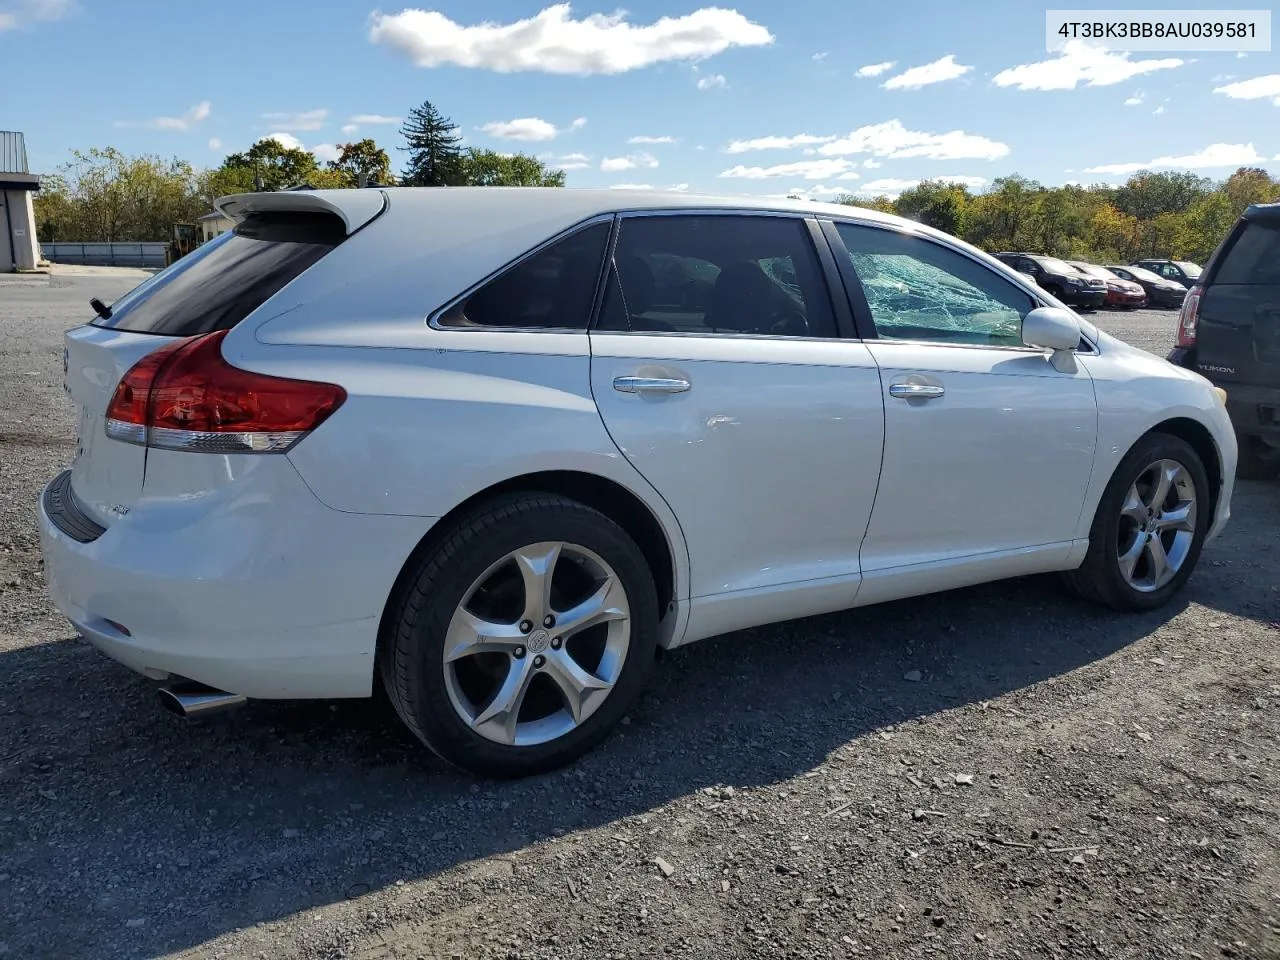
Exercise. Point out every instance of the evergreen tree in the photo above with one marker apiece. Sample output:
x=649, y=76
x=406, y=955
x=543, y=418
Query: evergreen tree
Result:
x=435, y=157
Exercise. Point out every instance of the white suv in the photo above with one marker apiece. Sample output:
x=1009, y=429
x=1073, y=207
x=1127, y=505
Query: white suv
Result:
x=492, y=447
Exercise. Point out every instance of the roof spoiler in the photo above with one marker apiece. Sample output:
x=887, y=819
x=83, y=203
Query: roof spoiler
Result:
x=355, y=207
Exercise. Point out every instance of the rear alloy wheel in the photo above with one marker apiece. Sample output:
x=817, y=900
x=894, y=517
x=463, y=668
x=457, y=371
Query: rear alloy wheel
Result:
x=1149, y=528
x=525, y=636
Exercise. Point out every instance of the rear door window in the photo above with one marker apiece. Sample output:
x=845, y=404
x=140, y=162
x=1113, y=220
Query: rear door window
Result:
x=223, y=281
x=1255, y=256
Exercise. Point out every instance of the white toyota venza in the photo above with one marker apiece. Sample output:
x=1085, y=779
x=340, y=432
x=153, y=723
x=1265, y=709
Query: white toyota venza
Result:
x=492, y=448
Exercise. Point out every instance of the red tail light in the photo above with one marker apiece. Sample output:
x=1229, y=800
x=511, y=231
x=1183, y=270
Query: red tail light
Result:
x=185, y=396
x=1187, y=318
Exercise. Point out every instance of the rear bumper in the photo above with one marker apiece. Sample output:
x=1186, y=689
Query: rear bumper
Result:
x=1255, y=411
x=1085, y=298
x=265, y=593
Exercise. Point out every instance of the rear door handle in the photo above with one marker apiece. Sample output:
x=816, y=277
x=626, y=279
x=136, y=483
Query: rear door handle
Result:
x=650, y=384
x=916, y=391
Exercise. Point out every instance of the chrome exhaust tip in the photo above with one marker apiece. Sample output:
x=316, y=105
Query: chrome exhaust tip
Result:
x=197, y=700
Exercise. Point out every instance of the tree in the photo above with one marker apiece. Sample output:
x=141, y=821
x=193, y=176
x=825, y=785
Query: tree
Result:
x=486, y=168
x=935, y=203
x=435, y=157
x=105, y=195
x=883, y=204
x=273, y=164
x=1249, y=185
x=1113, y=236
x=1147, y=195
x=364, y=157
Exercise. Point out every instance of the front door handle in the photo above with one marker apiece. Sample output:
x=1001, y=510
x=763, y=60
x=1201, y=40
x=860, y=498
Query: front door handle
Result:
x=650, y=384
x=916, y=391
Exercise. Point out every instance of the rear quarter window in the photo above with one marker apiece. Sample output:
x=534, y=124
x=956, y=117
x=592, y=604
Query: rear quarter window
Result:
x=223, y=281
x=1254, y=258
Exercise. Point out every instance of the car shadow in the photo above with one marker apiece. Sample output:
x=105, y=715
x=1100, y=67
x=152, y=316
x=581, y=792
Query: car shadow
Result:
x=126, y=832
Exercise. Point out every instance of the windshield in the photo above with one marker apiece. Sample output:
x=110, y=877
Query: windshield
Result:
x=1142, y=273
x=223, y=281
x=1192, y=270
x=1092, y=270
x=1056, y=265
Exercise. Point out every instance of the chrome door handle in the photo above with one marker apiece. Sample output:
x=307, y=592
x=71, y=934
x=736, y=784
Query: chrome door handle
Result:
x=650, y=384
x=916, y=391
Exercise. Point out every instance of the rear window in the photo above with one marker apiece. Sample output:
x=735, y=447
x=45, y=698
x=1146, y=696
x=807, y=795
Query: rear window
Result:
x=223, y=281
x=1192, y=270
x=1254, y=257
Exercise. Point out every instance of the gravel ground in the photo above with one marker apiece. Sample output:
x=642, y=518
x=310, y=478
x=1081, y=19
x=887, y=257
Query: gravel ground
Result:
x=997, y=772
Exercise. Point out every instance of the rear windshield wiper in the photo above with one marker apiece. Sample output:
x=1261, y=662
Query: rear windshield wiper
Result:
x=100, y=308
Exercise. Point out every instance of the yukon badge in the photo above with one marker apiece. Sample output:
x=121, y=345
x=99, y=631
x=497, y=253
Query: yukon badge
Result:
x=1214, y=368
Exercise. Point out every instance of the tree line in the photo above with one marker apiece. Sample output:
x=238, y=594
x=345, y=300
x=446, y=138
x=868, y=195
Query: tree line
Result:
x=1178, y=215
x=103, y=194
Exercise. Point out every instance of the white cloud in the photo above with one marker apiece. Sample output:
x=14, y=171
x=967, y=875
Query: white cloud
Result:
x=822, y=55
x=714, y=81
x=215, y=143
x=552, y=41
x=286, y=140
x=940, y=71
x=188, y=120
x=875, y=69
x=1136, y=99
x=1158, y=110
x=1214, y=155
x=1259, y=88
x=36, y=10
x=578, y=123
x=892, y=139
x=1078, y=64
x=373, y=119
x=813, y=193
x=296, y=121
x=1241, y=55
x=805, y=169
x=524, y=128
x=674, y=188
x=350, y=128
x=872, y=164
x=568, y=161
x=651, y=140
x=325, y=152
x=774, y=143
x=636, y=160
x=892, y=187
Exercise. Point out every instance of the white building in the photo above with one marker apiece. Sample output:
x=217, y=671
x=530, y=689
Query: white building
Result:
x=18, y=248
x=212, y=224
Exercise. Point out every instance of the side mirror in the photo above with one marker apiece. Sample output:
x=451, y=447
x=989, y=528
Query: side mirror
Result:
x=1056, y=329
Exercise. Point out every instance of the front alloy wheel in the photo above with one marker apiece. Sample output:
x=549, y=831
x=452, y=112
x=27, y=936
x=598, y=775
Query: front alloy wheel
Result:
x=1149, y=527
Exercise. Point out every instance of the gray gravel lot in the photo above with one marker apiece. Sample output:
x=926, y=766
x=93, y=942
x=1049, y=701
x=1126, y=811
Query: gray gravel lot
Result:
x=1051, y=781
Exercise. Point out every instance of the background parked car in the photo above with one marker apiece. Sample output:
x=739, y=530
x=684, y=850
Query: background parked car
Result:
x=1179, y=271
x=1160, y=292
x=1229, y=331
x=1120, y=293
x=1064, y=281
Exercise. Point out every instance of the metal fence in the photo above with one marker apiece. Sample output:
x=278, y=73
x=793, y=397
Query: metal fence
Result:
x=151, y=254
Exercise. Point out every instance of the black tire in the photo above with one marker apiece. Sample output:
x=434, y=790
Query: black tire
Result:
x=1256, y=461
x=411, y=656
x=1098, y=579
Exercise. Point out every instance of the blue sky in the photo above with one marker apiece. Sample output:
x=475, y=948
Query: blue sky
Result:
x=813, y=96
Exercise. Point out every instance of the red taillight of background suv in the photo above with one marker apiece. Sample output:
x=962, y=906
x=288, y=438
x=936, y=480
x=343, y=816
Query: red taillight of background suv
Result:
x=1187, y=318
x=185, y=396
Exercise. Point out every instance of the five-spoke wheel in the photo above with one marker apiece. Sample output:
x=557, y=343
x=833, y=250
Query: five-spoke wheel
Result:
x=1149, y=526
x=524, y=634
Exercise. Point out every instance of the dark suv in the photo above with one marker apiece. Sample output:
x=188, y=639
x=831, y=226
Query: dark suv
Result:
x=1179, y=271
x=1071, y=286
x=1229, y=331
